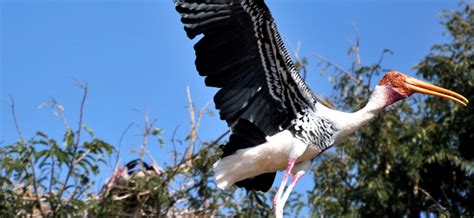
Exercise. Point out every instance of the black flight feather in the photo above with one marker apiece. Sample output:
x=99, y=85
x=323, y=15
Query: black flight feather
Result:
x=242, y=54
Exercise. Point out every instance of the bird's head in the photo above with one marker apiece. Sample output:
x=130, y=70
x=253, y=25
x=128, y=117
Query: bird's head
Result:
x=399, y=86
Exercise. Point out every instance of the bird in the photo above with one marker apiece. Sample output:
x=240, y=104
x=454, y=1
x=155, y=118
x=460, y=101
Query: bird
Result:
x=276, y=121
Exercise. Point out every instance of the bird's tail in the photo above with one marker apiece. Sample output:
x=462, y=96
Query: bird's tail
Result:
x=239, y=164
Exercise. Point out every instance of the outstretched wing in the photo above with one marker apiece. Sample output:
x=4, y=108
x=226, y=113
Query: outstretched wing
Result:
x=241, y=52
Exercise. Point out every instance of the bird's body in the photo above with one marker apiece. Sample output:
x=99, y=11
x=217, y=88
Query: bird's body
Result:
x=308, y=134
x=276, y=121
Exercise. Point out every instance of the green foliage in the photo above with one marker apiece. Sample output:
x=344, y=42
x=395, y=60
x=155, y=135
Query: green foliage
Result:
x=45, y=176
x=42, y=170
x=416, y=157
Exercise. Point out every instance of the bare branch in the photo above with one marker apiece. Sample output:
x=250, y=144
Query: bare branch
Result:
x=337, y=67
x=200, y=114
x=194, y=123
x=433, y=199
x=51, y=179
x=81, y=113
x=120, y=143
x=355, y=48
x=17, y=125
x=340, y=69
x=173, y=142
x=146, y=133
x=183, y=163
x=78, y=139
x=148, y=130
x=208, y=146
x=192, y=133
x=376, y=69
x=35, y=186
x=31, y=163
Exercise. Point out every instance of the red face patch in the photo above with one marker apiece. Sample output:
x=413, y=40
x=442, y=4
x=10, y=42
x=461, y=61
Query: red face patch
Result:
x=394, y=94
x=396, y=86
x=397, y=82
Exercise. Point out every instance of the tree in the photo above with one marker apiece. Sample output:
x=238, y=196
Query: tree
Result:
x=414, y=158
x=51, y=177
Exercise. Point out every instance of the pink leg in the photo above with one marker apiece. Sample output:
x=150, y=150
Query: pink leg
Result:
x=291, y=164
x=295, y=179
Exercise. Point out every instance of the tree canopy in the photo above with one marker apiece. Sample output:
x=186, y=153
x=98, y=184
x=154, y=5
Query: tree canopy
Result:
x=417, y=156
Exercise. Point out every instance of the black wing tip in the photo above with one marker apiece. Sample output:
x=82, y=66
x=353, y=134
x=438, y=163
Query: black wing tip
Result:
x=261, y=182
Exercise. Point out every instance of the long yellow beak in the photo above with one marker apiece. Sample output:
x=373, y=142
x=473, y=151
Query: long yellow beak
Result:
x=426, y=88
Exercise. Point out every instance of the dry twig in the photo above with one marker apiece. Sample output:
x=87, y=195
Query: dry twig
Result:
x=70, y=168
x=195, y=123
x=33, y=171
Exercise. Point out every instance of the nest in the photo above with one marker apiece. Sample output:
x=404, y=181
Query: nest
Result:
x=128, y=191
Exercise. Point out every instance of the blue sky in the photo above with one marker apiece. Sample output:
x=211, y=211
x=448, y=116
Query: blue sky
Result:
x=134, y=55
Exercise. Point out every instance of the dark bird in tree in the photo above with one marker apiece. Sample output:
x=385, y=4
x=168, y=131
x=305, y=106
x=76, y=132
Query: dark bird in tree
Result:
x=276, y=120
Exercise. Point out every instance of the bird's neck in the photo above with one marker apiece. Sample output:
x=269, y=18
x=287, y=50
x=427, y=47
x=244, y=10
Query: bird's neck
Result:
x=374, y=106
x=348, y=123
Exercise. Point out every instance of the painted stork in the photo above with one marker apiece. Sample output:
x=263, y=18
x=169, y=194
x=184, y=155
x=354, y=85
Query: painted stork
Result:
x=276, y=120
